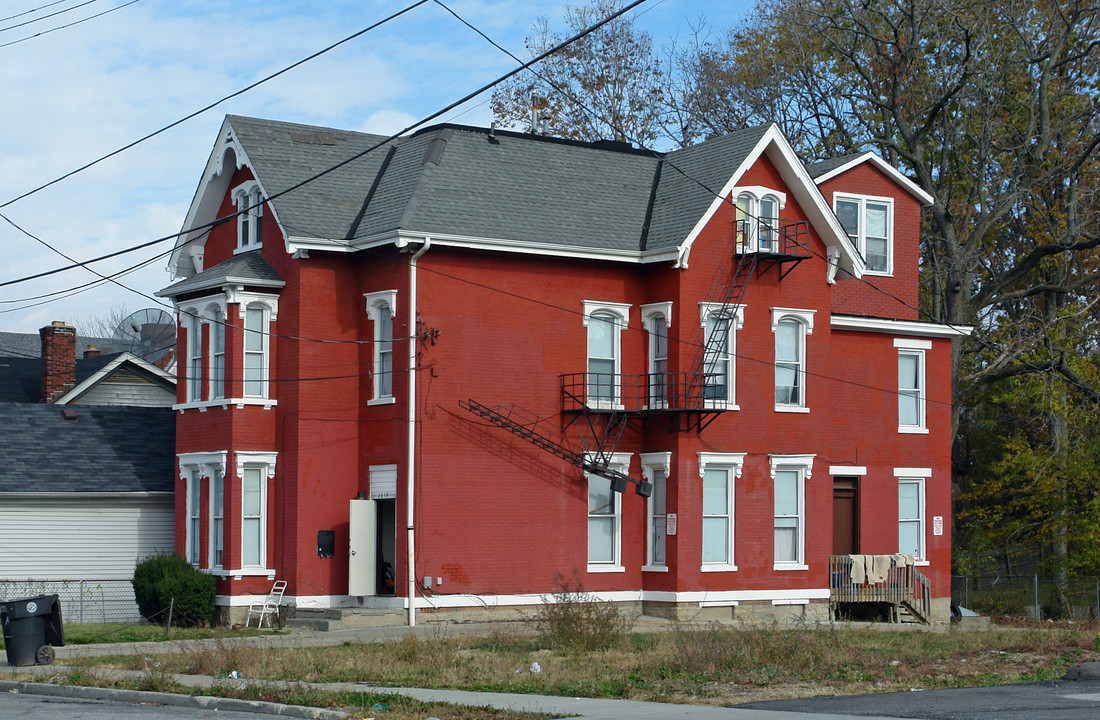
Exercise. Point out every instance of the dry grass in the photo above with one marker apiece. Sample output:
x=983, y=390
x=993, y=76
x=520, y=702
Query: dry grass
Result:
x=715, y=665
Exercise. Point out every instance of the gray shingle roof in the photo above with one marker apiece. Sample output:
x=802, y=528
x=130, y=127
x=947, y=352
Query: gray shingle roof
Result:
x=105, y=449
x=248, y=268
x=820, y=168
x=20, y=379
x=29, y=345
x=455, y=180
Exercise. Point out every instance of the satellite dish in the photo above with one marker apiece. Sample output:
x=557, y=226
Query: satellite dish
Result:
x=147, y=333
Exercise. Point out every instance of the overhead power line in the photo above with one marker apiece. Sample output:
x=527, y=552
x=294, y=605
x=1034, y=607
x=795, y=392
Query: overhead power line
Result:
x=69, y=25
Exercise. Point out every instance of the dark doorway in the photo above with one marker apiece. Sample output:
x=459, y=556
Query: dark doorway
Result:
x=845, y=515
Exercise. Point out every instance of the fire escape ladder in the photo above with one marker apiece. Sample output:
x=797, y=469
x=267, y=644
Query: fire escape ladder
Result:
x=714, y=343
x=538, y=431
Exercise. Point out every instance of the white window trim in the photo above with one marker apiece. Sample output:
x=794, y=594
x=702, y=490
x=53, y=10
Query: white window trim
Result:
x=193, y=540
x=212, y=312
x=212, y=562
x=804, y=465
x=918, y=476
x=650, y=312
x=265, y=462
x=205, y=464
x=621, y=463
x=733, y=463
x=916, y=348
x=375, y=302
x=620, y=312
x=265, y=349
x=737, y=320
x=650, y=463
x=757, y=193
x=245, y=195
x=805, y=318
x=861, y=241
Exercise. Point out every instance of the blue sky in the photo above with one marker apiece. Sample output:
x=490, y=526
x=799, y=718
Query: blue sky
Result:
x=71, y=95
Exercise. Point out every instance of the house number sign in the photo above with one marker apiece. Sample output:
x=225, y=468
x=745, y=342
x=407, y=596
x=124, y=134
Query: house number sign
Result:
x=937, y=525
x=670, y=524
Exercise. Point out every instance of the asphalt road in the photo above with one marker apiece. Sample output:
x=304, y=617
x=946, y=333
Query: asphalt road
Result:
x=15, y=706
x=1050, y=700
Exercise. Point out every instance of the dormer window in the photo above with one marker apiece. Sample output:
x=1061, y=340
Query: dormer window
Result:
x=249, y=200
x=869, y=223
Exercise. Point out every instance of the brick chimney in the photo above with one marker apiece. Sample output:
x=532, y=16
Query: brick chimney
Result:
x=91, y=352
x=58, y=359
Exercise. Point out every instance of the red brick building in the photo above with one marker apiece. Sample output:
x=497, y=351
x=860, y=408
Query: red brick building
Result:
x=458, y=364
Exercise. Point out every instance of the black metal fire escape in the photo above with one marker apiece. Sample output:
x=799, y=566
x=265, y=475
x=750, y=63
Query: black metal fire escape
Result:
x=598, y=407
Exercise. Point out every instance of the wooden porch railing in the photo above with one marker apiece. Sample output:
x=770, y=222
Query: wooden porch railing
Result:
x=903, y=585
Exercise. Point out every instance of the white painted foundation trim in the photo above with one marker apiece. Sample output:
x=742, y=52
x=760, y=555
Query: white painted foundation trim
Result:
x=712, y=598
x=792, y=601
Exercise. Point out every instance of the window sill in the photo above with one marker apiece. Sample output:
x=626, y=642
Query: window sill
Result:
x=789, y=566
x=718, y=568
x=605, y=568
x=205, y=405
x=602, y=405
x=247, y=248
x=655, y=568
x=791, y=409
x=243, y=572
x=912, y=430
x=388, y=400
x=720, y=405
x=879, y=273
x=921, y=563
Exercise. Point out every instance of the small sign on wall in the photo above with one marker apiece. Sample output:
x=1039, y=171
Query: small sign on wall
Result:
x=670, y=524
x=937, y=525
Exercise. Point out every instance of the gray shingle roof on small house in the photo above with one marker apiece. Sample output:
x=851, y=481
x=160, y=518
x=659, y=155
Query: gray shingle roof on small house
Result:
x=20, y=379
x=459, y=181
x=29, y=345
x=104, y=449
x=248, y=268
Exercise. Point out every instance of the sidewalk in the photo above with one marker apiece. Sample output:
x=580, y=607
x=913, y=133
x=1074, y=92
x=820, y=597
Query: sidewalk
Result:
x=590, y=709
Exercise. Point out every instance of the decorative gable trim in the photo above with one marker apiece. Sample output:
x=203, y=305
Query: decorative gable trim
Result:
x=818, y=211
x=887, y=169
x=227, y=156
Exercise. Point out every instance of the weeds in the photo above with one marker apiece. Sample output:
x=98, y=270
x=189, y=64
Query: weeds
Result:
x=576, y=620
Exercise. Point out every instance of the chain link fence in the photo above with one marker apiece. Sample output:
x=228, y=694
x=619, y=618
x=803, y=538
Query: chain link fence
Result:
x=82, y=601
x=1031, y=596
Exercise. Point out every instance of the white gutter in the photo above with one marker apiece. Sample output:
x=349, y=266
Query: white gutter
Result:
x=411, y=485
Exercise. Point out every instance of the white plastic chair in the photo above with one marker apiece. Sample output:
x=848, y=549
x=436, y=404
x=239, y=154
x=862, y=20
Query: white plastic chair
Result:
x=269, y=607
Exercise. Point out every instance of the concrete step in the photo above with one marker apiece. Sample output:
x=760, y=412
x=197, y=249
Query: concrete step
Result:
x=329, y=619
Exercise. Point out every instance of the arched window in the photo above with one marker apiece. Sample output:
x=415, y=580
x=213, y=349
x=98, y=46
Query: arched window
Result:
x=381, y=308
x=791, y=328
x=605, y=322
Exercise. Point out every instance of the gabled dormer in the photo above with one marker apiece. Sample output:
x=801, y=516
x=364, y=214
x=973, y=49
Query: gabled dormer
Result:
x=879, y=210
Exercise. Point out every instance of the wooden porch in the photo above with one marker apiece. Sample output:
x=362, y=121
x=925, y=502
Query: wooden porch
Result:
x=890, y=580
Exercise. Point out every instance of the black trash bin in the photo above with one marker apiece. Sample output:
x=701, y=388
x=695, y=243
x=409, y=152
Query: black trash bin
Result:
x=32, y=626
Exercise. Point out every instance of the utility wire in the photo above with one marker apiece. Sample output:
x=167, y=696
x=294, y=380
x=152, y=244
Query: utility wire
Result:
x=214, y=104
x=32, y=10
x=69, y=25
x=44, y=17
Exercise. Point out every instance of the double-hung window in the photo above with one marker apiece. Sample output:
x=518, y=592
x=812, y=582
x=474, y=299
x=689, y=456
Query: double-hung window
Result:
x=718, y=472
x=254, y=470
x=249, y=199
x=605, y=519
x=869, y=223
x=791, y=328
x=656, y=320
x=217, y=519
x=217, y=355
x=911, y=511
x=789, y=474
x=381, y=308
x=720, y=325
x=655, y=467
x=255, y=351
x=194, y=358
x=604, y=322
x=194, y=517
x=911, y=384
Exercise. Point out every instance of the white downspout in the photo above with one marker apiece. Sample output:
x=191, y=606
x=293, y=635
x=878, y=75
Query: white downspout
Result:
x=411, y=460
